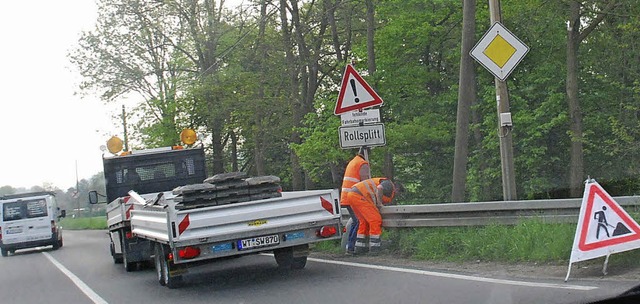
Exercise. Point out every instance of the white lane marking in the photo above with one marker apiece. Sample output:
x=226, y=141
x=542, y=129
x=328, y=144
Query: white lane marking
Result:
x=81, y=285
x=457, y=276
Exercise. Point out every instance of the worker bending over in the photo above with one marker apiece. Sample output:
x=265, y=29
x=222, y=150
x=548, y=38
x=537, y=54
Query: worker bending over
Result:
x=366, y=198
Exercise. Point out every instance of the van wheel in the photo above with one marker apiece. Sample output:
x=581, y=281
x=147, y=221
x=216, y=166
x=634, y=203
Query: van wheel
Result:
x=164, y=268
x=57, y=244
x=4, y=252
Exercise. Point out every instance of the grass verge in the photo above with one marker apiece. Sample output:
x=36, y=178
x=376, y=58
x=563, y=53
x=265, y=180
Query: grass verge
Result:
x=84, y=223
x=531, y=241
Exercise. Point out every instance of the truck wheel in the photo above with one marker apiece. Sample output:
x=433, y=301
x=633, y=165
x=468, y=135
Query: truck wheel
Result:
x=128, y=266
x=4, y=252
x=286, y=260
x=164, y=268
x=157, y=258
x=117, y=258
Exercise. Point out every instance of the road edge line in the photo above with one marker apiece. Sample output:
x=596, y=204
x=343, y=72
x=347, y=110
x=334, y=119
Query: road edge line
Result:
x=92, y=295
x=457, y=276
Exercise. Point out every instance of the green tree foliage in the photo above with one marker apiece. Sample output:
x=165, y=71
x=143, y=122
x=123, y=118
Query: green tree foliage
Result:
x=261, y=82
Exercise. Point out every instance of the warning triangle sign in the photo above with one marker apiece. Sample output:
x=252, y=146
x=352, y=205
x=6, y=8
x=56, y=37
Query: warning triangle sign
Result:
x=355, y=93
x=603, y=226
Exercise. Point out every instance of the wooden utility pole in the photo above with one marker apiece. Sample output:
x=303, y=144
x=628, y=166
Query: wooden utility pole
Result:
x=124, y=125
x=504, y=131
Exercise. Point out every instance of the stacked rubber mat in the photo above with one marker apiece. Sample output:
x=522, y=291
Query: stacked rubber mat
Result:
x=227, y=188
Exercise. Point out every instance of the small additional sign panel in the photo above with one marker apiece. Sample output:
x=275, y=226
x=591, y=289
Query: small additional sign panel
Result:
x=499, y=51
x=357, y=117
x=355, y=93
x=358, y=136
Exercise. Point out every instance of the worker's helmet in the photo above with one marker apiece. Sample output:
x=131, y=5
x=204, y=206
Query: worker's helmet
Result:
x=388, y=191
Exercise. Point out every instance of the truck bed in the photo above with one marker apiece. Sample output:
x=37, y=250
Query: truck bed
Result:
x=295, y=218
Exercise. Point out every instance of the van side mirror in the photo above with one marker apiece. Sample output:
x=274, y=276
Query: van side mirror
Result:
x=93, y=197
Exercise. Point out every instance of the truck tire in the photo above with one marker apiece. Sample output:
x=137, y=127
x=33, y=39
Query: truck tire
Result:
x=4, y=252
x=164, y=267
x=128, y=266
x=117, y=258
x=157, y=258
x=286, y=260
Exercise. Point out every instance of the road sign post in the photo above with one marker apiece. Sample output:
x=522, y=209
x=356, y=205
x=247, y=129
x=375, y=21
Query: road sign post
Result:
x=499, y=51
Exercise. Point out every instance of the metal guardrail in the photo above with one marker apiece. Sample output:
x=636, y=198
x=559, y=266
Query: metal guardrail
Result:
x=485, y=213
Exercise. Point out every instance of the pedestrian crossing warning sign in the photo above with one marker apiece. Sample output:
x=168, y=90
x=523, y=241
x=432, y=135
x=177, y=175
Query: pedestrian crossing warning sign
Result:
x=355, y=93
x=603, y=226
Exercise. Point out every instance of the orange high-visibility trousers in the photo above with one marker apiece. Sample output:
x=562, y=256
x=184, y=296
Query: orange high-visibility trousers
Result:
x=367, y=214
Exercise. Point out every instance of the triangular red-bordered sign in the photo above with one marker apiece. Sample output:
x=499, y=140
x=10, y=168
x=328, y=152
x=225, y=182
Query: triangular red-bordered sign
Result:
x=355, y=93
x=595, y=190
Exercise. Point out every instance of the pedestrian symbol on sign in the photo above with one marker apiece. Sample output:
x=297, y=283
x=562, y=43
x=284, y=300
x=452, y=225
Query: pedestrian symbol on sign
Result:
x=619, y=229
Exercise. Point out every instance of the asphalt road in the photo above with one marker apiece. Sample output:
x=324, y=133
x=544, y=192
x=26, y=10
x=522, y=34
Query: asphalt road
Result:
x=83, y=272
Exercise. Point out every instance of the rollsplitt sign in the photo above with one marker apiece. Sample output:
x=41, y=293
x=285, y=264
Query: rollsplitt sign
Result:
x=357, y=136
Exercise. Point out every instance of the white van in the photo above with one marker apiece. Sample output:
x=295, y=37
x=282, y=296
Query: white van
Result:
x=29, y=220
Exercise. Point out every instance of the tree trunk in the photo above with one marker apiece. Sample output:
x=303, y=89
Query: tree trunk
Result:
x=574, y=38
x=576, y=167
x=466, y=96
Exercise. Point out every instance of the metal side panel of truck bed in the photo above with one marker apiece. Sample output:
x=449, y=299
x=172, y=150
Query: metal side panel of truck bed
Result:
x=295, y=211
x=118, y=213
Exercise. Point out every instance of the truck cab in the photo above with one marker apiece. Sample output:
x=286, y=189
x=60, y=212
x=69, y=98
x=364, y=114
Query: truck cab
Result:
x=29, y=220
x=149, y=171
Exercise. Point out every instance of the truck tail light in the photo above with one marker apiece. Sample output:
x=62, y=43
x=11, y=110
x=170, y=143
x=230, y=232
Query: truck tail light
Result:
x=189, y=252
x=327, y=231
x=0, y=234
x=53, y=226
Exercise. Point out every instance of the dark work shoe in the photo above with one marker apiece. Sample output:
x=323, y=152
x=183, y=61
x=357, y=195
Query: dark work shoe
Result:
x=361, y=250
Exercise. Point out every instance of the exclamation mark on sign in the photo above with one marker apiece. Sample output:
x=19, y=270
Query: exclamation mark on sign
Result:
x=353, y=87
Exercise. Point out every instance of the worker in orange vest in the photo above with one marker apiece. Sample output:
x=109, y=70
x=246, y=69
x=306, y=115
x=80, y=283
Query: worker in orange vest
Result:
x=365, y=199
x=357, y=170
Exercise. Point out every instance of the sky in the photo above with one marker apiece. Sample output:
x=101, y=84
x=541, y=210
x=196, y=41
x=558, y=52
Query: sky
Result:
x=48, y=132
x=50, y=135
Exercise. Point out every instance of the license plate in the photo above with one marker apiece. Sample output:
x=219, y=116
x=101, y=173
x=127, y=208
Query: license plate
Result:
x=14, y=231
x=262, y=241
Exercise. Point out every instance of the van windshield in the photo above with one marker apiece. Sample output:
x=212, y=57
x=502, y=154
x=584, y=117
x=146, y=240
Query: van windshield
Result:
x=24, y=209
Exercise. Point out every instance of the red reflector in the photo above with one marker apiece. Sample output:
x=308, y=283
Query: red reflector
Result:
x=184, y=224
x=129, y=235
x=189, y=252
x=170, y=256
x=326, y=205
x=327, y=231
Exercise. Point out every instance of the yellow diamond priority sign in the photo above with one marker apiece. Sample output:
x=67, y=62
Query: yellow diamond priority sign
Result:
x=499, y=51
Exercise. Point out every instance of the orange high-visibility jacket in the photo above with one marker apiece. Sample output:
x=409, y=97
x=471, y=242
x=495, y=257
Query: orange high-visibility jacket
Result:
x=356, y=171
x=369, y=190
